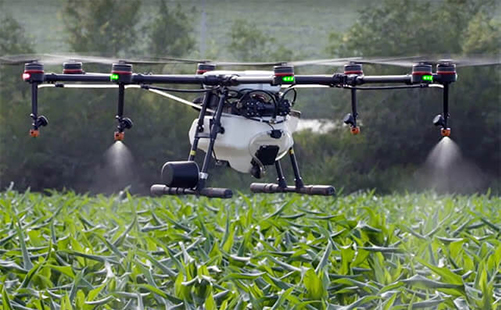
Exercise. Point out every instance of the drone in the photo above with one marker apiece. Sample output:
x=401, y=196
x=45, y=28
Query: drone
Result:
x=245, y=118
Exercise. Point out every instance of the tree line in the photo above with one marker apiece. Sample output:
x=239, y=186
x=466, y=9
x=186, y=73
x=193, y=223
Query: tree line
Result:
x=396, y=134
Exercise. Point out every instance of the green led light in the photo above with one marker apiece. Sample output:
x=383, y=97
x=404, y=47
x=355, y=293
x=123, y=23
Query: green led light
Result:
x=113, y=77
x=288, y=79
x=428, y=78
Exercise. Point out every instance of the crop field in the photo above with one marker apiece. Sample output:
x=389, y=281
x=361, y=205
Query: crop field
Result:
x=362, y=251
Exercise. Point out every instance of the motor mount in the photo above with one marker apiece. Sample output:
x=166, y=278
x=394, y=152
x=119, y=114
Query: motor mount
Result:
x=446, y=72
x=121, y=73
x=353, y=68
x=283, y=75
x=421, y=73
x=203, y=67
x=72, y=68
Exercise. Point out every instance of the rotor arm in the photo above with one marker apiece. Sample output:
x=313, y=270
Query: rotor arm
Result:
x=230, y=80
x=88, y=77
x=328, y=80
x=379, y=79
x=172, y=79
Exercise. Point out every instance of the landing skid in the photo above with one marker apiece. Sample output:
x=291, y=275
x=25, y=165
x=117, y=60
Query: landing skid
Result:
x=300, y=187
x=211, y=192
x=185, y=178
x=271, y=188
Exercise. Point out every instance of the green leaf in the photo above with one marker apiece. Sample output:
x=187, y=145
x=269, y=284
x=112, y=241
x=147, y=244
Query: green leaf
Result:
x=6, y=300
x=445, y=273
x=314, y=286
x=26, y=256
x=210, y=303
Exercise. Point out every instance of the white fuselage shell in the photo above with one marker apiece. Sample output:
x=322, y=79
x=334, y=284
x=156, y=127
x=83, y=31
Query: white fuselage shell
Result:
x=243, y=137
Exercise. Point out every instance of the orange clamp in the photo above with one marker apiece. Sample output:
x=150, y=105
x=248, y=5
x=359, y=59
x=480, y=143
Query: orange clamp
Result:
x=34, y=133
x=119, y=136
x=355, y=130
x=446, y=132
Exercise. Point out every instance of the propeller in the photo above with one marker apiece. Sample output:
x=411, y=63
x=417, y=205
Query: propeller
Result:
x=54, y=59
x=459, y=61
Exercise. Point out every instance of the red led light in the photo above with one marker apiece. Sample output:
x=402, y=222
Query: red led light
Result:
x=26, y=76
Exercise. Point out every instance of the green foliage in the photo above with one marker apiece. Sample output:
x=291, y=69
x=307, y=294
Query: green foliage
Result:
x=282, y=252
x=70, y=151
x=483, y=35
x=397, y=124
x=170, y=32
x=13, y=40
x=395, y=28
x=249, y=43
x=396, y=134
x=103, y=26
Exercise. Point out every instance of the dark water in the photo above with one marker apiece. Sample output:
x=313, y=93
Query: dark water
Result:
x=116, y=171
x=447, y=171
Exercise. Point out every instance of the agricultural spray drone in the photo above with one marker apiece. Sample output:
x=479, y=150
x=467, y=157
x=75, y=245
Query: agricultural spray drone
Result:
x=246, y=118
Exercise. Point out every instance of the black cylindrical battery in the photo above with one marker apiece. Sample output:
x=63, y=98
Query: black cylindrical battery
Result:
x=182, y=174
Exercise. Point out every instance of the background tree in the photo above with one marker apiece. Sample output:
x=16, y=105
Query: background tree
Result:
x=104, y=26
x=71, y=151
x=169, y=34
x=249, y=43
x=13, y=40
x=396, y=134
x=399, y=135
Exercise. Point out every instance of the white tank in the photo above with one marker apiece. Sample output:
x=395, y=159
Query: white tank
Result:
x=243, y=137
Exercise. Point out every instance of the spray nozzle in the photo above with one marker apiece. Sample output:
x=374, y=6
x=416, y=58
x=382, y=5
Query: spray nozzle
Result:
x=446, y=132
x=439, y=120
x=350, y=120
x=40, y=121
x=119, y=136
x=123, y=123
x=34, y=133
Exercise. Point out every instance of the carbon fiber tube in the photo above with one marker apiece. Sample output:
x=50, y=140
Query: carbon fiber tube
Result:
x=225, y=80
x=215, y=192
x=88, y=77
x=406, y=79
x=270, y=188
x=168, y=78
x=211, y=192
x=316, y=79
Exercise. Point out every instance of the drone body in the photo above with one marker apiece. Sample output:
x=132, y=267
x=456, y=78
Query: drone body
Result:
x=252, y=136
x=246, y=118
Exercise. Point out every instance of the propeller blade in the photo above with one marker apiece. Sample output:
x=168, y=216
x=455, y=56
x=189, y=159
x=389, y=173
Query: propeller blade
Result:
x=460, y=61
x=56, y=59
x=330, y=62
x=24, y=58
x=298, y=63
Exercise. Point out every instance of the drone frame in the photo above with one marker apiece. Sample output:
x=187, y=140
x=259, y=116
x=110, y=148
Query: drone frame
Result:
x=122, y=77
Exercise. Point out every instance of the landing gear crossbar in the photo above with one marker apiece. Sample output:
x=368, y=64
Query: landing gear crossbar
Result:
x=211, y=192
x=271, y=188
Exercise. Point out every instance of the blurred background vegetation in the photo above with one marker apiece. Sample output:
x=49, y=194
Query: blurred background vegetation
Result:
x=397, y=134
